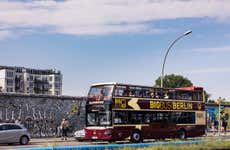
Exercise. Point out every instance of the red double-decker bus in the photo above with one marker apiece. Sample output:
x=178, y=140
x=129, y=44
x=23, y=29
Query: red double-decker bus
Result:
x=116, y=111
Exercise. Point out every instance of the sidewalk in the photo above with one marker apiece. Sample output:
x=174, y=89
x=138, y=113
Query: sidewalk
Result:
x=215, y=133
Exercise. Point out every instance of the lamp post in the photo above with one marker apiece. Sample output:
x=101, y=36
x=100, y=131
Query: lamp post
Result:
x=170, y=46
x=219, y=101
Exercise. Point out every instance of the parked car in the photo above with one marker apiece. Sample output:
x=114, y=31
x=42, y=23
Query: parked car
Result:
x=80, y=135
x=13, y=133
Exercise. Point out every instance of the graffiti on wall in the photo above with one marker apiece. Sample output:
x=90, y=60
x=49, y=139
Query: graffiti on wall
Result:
x=42, y=116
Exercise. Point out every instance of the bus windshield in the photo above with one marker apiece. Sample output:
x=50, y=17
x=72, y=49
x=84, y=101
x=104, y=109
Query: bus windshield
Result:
x=99, y=115
x=101, y=92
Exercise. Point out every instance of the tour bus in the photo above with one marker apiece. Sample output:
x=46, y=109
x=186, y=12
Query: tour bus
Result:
x=116, y=111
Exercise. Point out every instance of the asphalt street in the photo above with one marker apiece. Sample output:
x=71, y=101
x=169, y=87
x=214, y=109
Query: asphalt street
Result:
x=48, y=142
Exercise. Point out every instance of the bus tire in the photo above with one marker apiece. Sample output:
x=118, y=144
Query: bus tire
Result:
x=182, y=134
x=136, y=136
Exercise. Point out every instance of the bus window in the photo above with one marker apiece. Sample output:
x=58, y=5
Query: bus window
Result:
x=147, y=118
x=91, y=119
x=166, y=94
x=138, y=92
x=146, y=92
x=183, y=117
x=101, y=92
x=136, y=117
x=105, y=118
x=132, y=91
x=121, y=91
x=153, y=117
x=171, y=94
x=197, y=96
x=150, y=117
x=120, y=117
x=98, y=115
x=159, y=93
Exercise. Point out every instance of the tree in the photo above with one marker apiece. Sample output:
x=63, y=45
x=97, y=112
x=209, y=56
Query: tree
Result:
x=174, y=81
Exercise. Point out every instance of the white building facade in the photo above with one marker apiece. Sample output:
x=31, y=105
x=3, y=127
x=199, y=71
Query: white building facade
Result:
x=30, y=81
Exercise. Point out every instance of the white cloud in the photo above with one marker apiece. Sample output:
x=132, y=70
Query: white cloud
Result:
x=106, y=16
x=209, y=70
x=213, y=49
x=5, y=34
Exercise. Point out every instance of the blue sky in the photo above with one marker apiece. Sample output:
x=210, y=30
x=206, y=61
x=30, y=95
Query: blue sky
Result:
x=94, y=41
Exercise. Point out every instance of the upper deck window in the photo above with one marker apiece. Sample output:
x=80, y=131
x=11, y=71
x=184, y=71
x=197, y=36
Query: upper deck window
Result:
x=102, y=92
x=121, y=90
x=158, y=93
x=132, y=91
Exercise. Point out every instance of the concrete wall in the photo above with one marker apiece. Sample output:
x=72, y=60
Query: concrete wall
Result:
x=43, y=114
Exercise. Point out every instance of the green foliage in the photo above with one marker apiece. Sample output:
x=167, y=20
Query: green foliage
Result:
x=176, y=81
x=173, y=81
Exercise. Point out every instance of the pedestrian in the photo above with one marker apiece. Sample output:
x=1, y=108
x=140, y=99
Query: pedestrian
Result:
x=224, y=124
x=18, y=121
x=216, y=125
x=64, y=128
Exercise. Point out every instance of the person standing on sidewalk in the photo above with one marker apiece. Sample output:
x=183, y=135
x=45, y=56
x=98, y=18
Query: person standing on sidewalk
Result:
x=225, y=122
x=64, y=128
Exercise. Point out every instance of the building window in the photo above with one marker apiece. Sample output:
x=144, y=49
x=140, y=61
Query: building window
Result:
x=57, y=78
x=57, y=85
x=37, y=78
x=50, y=78
x=9, y=89
x=44, y=78
x=9, y=74
x=31, y=84
x=9, y=82
x=57, y=93
x=31, y=78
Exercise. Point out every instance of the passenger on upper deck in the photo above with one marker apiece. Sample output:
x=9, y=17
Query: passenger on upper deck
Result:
x=166, y=95
x=152, y=95
x=131, y=93
x=101, y=95
x=126, y=92
x=140, y=93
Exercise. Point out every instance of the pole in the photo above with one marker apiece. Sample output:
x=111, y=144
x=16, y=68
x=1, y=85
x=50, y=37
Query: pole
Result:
x=219, y=121
x=167, y=51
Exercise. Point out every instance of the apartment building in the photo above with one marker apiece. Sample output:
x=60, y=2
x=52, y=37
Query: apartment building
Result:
x=30, y=81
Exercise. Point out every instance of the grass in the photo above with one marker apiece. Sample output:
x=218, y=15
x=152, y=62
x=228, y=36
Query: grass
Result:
x=210, y=145
x=50, y=144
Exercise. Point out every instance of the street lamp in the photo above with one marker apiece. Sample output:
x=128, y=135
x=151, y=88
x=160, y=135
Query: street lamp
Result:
x=219, y=101
x=163, y=66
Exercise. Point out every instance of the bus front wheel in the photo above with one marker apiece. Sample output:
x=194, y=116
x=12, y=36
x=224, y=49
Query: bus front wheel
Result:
x=136, y=136
x=182, y=134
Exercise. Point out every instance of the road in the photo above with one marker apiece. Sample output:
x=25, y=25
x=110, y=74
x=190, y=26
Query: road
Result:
x=47, y=142
x=44, y=142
